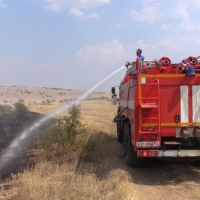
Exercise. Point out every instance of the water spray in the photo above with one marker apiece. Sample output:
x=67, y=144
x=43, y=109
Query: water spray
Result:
x=4, y=159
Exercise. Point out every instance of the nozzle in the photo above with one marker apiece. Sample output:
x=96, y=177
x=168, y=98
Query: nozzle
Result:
x=127, y=64
x=197, y=133
x=185, y=134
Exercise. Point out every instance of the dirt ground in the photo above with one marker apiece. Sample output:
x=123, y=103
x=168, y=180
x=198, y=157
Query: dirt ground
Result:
x=157, y=180
x=167, y=180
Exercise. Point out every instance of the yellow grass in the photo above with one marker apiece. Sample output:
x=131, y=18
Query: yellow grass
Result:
x=76, y=176
x=100, y=174
x=53, y=181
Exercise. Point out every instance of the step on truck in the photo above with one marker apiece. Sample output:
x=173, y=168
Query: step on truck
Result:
x=159, y=110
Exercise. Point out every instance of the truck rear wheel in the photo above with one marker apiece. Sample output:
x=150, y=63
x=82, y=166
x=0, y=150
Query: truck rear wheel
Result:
x=131, y=158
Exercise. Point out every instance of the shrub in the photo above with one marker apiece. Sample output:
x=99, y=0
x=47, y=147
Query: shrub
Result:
x=75, y=111
x=26, y=91
x=67, y=135
x=21, y=101
x=103, y=98
x=48, y=101
x=21, y=108
x=2, y=110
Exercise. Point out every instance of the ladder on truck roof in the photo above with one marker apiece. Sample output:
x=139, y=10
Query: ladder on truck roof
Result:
x=145, y=107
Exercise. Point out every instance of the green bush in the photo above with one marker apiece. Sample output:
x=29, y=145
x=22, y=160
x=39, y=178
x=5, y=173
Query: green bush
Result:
x=75, y=111
x=69, y=134
x=21, y=108
x=103, y=98
x=48, y=101
x=21, y=101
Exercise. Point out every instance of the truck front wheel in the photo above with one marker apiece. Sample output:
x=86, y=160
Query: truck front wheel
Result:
x=119, y=132
x=131, y=158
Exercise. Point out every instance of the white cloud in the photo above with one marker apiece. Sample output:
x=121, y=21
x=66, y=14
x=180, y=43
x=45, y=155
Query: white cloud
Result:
x=166, y=26
x=196, y=3
x=149, y=13
x=148, y=51
x=2, y=4
x=92, y=16
x=76, y=12
x=116, y=53
x=175, y=46
x=59, y=5
x=81, y=14
x=183, y=36
x=110, y=52
x=75, y=7
x=185, y=22
x=182, y=12
x=169, y=43
x=180, y=35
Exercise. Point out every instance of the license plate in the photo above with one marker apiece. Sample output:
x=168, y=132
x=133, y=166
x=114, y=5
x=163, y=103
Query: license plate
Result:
x=147, y=144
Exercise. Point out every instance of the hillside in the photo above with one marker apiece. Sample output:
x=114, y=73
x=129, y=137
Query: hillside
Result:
x=43, y=95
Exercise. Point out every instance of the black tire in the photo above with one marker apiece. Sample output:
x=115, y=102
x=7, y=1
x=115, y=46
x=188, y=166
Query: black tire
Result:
x=131, y=158
x=119, y=132
x=124, y=139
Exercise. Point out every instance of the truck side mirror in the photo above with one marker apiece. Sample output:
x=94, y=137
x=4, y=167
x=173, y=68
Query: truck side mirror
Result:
x=113, y=90
x=114, y=95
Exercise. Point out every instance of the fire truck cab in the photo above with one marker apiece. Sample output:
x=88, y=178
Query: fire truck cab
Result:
x=159, y=110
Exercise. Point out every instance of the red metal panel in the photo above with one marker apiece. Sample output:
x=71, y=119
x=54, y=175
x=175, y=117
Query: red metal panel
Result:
x=170, y=103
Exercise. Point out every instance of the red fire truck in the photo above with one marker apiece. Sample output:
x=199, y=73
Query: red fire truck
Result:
x=159, y=110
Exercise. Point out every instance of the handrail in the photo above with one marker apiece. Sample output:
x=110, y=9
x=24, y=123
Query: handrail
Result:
x=118, y=114
x=159, y=121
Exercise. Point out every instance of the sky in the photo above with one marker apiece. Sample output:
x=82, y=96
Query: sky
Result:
x=74, y=44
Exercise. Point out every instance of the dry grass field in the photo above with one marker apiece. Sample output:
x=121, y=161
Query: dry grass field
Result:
x=103, y=174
